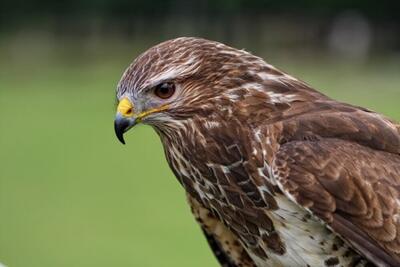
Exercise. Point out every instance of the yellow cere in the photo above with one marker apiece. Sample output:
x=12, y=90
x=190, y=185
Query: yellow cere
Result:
x=125, y=108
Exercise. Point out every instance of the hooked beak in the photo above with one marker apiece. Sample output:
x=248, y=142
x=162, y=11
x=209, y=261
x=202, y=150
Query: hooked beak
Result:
x=126, y=117
x=124, y=120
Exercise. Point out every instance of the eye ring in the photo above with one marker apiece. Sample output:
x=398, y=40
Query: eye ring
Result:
x=164, y=90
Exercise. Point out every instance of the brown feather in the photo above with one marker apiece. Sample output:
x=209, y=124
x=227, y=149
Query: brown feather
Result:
x=365, y=220
x=287, y=172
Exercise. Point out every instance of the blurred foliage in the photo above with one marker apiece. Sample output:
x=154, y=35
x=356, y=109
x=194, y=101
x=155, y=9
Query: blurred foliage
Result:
x=23, y=9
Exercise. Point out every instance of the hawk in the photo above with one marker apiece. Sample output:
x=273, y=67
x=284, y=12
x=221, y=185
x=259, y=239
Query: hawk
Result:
x=276, y=173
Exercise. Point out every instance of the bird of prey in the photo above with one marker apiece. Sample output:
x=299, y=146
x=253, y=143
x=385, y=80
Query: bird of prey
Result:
x=276, y=173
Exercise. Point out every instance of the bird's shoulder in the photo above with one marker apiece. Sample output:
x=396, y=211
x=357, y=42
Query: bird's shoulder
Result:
x=326, y=118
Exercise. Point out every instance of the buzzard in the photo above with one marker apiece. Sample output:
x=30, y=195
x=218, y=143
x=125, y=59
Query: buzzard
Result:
x=276, y=173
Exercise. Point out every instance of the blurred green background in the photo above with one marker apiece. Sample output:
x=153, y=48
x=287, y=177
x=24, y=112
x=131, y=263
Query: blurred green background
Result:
x=70, y=194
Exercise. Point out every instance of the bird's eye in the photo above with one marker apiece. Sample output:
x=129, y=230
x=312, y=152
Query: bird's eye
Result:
x=164, y=90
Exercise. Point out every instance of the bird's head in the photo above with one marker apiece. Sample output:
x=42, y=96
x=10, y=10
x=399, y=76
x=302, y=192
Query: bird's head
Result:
x=185, y=77
x=174, y=80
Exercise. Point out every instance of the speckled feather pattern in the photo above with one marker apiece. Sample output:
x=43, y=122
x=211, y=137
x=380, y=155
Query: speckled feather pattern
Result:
x=277, y=174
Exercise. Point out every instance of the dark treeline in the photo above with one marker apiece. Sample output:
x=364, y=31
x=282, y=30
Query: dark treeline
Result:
x=287, y=23
x=20, y=10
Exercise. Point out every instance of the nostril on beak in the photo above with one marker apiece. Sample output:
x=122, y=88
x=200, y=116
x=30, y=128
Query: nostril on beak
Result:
x=125, y=107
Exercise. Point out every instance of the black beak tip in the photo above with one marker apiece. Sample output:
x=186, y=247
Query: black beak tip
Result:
x=121, y=139
x=119, y=131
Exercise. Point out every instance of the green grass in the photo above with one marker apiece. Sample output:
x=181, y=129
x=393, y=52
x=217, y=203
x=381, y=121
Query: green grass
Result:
x=71, y=195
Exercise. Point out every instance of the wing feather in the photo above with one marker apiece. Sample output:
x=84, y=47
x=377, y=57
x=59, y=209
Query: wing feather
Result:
x=354, y=189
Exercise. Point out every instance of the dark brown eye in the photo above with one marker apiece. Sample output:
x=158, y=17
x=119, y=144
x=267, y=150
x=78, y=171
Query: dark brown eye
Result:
x=164, y=90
